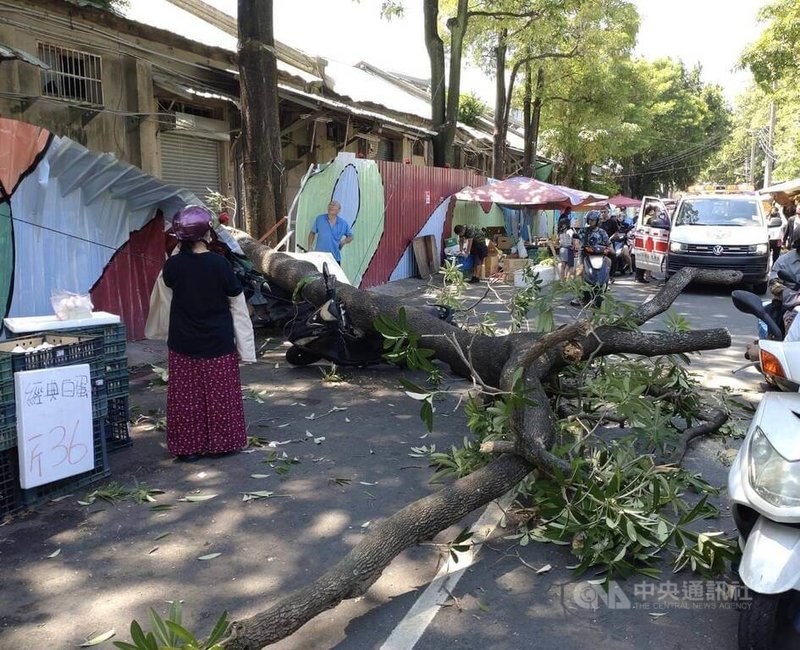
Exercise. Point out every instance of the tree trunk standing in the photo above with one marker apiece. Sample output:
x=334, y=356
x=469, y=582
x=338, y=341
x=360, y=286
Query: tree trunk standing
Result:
x=264, y=202
x=458, y=29
x=435, y=47
x=527, y=152
x=499, y=140
x=536, y=117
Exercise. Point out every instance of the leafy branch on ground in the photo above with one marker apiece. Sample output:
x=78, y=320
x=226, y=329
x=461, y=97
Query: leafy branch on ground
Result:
x=170, y=634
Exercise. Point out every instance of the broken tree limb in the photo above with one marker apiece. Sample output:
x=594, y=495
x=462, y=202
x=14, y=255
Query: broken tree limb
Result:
x=384, y=540
x=468, y=354
x=717, y=418
x=659, y=303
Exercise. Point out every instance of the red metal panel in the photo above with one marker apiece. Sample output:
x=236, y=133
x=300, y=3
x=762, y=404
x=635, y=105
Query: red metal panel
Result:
x=406, y=190
x=125, y=286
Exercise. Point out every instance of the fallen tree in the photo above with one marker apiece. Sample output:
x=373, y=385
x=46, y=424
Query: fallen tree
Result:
x=530, y=363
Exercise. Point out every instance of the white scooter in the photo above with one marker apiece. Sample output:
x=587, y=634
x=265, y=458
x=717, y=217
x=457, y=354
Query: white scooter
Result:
x=764, y=488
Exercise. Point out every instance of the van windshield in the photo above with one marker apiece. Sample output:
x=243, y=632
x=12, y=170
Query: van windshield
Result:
x=718, y=212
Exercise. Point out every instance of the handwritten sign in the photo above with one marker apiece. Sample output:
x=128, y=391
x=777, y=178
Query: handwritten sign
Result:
x=54, y=424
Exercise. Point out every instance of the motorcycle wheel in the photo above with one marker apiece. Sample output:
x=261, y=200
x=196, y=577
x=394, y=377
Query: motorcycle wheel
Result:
x=299, y=357
x=763, y=623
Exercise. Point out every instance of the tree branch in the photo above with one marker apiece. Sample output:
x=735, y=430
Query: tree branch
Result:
x=717, y=419
x=362, y=566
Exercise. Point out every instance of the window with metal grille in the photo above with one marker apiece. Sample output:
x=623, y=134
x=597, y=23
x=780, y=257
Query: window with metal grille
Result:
x=73, y=74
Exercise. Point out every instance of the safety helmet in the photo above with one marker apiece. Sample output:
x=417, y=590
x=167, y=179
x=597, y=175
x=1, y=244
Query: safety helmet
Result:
x=593, y=215
x=192, y=223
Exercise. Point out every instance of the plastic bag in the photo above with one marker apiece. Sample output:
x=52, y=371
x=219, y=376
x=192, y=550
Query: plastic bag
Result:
x=71, y=306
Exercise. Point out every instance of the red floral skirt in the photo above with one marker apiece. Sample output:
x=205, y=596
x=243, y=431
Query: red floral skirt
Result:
x=205, y=413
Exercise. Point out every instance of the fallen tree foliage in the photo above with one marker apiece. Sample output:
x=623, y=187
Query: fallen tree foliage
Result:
x=526, y=364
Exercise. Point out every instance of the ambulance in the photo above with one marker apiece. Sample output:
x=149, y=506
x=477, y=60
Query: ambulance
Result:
x=720, y=227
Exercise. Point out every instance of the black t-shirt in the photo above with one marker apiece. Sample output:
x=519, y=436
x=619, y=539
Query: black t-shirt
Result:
x=200, y=321
x=611, y=225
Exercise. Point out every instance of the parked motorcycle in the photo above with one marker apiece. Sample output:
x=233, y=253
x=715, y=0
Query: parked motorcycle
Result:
x=770, y=352
x=328, y=333
x=764, y=488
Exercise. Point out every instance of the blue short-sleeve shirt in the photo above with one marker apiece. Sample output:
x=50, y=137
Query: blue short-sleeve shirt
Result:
x=329, y=236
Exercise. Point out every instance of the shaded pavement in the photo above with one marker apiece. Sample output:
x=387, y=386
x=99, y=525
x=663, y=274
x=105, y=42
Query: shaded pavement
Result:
x=118, y=559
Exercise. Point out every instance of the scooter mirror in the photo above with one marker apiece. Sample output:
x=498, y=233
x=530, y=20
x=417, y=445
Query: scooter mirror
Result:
x=775, y=222
x=750, y=303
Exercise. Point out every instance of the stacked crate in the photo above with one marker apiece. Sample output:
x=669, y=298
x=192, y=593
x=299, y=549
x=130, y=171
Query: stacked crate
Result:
x=67, y=350
x=117, y=428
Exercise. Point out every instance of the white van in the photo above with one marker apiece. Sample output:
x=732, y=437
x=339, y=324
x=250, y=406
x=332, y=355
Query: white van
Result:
x=721, y=231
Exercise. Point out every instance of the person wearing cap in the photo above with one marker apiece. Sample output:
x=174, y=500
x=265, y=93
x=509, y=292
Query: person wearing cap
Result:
x=205, y=413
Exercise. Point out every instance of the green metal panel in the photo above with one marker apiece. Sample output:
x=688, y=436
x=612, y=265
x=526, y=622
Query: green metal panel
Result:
x=472, y=214
x=317, y=192
x=6, y=256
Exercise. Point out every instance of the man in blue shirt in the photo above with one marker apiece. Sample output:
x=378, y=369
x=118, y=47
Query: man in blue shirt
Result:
x=330, y=232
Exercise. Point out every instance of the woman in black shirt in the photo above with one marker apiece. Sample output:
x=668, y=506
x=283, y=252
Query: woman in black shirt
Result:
x=205, y=413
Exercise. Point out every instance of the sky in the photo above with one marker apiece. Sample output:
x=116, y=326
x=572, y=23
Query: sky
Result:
x=710, y=32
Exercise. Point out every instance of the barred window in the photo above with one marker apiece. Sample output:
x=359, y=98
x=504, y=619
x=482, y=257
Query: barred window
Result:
x=73, y=74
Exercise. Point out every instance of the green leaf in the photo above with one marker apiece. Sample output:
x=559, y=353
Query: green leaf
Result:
x=219, y=629
x=197, y=498
x=426, y=413
x=97, y=640
x=180, y=633
x=137, y=634
x=159, y=629
x=210, y=556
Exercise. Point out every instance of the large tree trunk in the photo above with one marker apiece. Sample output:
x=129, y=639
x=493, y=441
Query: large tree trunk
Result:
x=495, y=359
x=435, y=47
x=458, y=29
x=264, y=201
x=499, y=139
x=527, y=152
x=536, y=117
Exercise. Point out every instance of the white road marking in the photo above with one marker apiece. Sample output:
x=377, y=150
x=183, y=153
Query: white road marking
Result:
x=410, y=630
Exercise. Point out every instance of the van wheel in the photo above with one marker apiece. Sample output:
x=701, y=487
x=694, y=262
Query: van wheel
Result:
x=760, y=288
x=299, y=357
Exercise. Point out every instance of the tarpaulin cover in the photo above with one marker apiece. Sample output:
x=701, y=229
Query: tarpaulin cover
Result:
x=523, y=191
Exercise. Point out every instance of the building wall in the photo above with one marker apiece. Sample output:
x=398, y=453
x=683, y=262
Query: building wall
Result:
x=126, y=125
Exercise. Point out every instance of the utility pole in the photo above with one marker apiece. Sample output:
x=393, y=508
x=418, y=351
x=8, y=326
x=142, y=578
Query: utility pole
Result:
x=751, y=171
x=768, y=159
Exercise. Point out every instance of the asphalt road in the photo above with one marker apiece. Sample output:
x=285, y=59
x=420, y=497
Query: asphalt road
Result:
x=115, y=562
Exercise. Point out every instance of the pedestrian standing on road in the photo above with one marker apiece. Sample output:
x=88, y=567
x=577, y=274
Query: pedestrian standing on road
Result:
x=331, y=232
x=789, y=212
x=777, y=234
x=472, y=241
x=566, y=250
x=205, y=414
x=607, y=223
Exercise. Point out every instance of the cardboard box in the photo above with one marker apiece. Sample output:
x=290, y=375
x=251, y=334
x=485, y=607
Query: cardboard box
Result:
x=504, y=243
x=514, y=264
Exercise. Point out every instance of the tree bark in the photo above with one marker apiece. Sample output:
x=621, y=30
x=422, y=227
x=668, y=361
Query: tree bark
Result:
x=435, y=47
x=458, y=29
x=499, y=139
x=536, y=117
x=264, y=202
x=527, y=152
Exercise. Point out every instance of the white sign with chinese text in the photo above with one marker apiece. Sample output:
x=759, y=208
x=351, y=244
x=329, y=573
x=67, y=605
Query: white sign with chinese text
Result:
x=54, y=424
